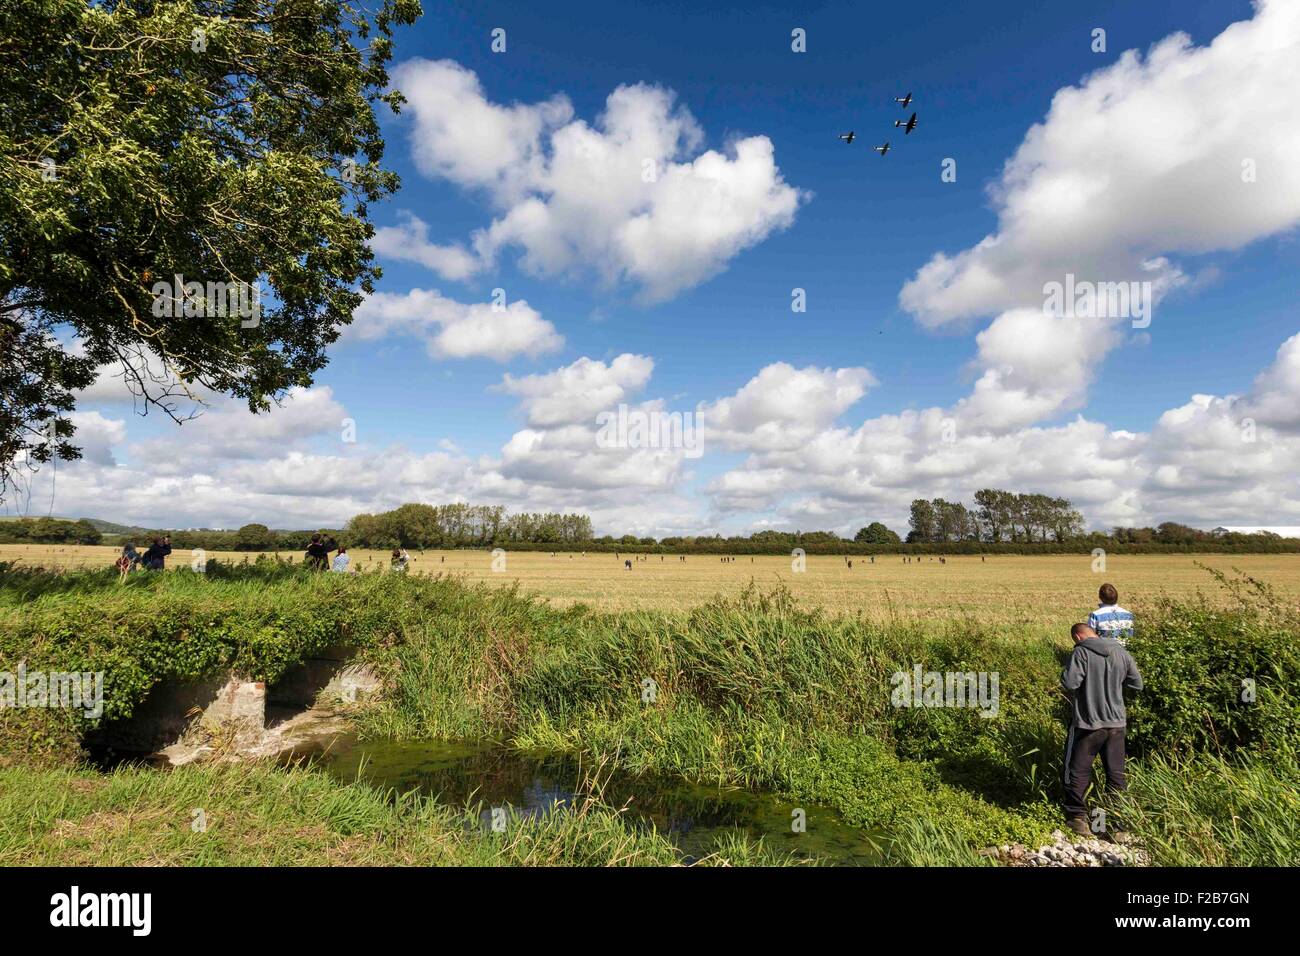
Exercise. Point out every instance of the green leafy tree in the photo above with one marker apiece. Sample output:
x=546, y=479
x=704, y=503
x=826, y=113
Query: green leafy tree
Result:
x=876, y=533
x=995, y=510
x=923, y=521
x=231, y=143
x=1067, y=521
x=254, y=537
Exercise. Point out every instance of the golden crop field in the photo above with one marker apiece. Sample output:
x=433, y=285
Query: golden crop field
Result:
x=1032, y=593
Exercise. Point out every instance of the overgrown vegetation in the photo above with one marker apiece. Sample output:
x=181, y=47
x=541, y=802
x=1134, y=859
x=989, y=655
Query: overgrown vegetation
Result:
x=751, y=691
x=255, y=620
x=1205, y=810
x=262, y=816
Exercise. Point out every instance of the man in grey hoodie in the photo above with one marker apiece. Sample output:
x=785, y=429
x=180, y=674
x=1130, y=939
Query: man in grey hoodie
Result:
x=1099, y=670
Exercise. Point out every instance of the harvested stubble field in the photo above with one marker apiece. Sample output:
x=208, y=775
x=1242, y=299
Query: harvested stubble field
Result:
x=1031, y=594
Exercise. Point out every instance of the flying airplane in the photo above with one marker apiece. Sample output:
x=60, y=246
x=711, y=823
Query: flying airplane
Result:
x=848, y=137
x=882, y=150
x=908, y=126
x=905, y=100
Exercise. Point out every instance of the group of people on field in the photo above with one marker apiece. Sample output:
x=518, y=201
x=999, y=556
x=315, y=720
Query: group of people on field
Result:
x=153, y=559
x=317, y=556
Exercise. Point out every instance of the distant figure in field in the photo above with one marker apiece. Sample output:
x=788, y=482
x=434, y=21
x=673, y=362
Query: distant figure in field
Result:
x=850, y=565
x=628, y=565
x=342, y=562
x=129, y=561
x=400, y=560
x=1111, y=620
x=317, y=556
x=154, y=558
x=1099, y=671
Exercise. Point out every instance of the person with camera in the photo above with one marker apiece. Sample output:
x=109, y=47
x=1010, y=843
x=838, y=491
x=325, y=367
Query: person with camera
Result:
x=154, y=557
x=318, y=553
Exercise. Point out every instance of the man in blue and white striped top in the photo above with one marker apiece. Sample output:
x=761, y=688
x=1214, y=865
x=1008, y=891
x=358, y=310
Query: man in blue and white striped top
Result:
x=1111, y=620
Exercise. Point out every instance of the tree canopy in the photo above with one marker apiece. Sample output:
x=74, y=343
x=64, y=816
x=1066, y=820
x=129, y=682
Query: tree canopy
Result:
x=876, y=533
x=184, y=197
x=998, y=516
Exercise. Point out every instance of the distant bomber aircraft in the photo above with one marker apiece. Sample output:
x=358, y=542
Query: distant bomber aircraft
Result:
x=882, y=150
x=908, y=126
x=848, y=137
x=906, y=101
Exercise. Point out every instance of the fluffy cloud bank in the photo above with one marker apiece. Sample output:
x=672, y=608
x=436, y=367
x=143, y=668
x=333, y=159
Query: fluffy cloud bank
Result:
x=298, y=465
x=1216, y=459
x=1185, y=151
x=1213, y=460
x=630, y=197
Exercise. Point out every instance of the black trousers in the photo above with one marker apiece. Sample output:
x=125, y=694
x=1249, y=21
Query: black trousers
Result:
x=1081, y=749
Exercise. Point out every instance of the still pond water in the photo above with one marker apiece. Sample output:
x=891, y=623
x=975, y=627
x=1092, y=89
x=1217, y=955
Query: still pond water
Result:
x=692, y=816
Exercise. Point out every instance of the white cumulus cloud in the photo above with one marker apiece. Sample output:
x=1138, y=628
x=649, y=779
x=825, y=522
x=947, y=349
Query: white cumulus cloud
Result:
x=452, y=329
x=629, y=197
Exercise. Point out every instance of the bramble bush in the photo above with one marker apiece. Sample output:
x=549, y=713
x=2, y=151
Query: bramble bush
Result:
x=1219, y=680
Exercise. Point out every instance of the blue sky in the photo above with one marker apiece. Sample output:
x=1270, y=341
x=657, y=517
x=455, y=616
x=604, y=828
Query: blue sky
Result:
x=982, y=74
x=435, y=423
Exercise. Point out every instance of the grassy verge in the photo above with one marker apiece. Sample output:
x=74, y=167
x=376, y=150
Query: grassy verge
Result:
x=1209, y=811
x=264, y=816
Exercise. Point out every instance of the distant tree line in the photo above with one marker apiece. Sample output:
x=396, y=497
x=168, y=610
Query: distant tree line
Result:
x=465, y=526
x=998, y=522
x=48, y=531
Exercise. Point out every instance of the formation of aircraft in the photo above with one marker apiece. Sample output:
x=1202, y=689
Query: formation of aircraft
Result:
x=905, y=125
